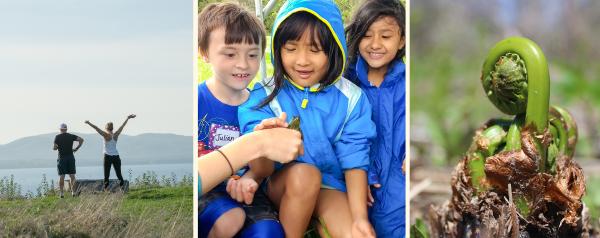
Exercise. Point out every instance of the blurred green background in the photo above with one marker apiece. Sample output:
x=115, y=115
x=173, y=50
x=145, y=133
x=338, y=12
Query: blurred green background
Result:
x=448, y=43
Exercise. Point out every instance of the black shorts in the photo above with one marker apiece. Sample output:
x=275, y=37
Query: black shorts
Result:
x=217, y=201
x=65, y=165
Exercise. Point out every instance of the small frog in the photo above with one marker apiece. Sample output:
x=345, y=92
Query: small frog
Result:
x=295, y=124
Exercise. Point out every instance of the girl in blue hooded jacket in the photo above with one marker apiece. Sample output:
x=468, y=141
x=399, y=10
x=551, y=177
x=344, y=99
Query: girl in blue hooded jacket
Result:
x=330, y=180
x=376, y=48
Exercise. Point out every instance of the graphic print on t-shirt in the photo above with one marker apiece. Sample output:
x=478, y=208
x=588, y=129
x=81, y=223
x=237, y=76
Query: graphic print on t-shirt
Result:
x=216, y=133
x=221, y=135
x=203, y=126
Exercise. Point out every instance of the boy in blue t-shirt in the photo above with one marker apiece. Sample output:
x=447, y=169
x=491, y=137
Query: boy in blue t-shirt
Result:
x=232, y=41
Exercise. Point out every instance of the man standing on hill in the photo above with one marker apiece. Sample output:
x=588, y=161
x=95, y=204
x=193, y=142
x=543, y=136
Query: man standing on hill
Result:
x=63, y=142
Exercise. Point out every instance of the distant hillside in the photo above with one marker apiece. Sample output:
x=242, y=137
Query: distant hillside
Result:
x=150, y=148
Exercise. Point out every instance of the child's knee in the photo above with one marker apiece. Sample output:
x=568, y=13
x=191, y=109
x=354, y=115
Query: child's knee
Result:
x=304, y=179
x=228, y=224
x=344, y=232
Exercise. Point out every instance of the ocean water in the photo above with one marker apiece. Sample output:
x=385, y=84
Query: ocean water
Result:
x=30, y=178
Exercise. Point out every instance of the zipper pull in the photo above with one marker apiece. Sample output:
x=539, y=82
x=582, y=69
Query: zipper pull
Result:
x=305, y=100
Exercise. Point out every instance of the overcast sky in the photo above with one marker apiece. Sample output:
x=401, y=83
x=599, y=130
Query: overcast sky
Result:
x=68, y=61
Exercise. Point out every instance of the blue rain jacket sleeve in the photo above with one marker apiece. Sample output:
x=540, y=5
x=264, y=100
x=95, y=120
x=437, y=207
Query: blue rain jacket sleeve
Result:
x=375, y=165
x=373, y=174
x=352, y=149
x=248, y=115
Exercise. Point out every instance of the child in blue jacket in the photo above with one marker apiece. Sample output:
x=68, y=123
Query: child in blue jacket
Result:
x=376, y=47
x=330, y=179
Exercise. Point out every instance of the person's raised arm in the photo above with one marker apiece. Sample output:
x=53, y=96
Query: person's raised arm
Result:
x=278, y=144
x=118, y=132
x=101, y=132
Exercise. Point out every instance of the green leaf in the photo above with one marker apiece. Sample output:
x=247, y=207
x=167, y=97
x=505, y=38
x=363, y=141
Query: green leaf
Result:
x=419, y=229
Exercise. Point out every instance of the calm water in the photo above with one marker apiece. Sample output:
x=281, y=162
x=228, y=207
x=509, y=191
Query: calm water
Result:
x=30, y=178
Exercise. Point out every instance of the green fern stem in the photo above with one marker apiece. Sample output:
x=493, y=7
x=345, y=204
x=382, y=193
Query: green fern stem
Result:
x=515, y=78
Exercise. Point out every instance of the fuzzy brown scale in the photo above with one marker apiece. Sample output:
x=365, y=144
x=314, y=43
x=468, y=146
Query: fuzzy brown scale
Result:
x=555, y=200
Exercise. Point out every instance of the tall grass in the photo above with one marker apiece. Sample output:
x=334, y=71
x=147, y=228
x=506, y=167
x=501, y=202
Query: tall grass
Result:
x=9, y=189
x=149, y=179
x=45, y=188
x=154, y=207
x=97, y=215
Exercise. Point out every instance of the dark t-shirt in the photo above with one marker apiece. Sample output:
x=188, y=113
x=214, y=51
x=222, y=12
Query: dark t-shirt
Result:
x=65, y=144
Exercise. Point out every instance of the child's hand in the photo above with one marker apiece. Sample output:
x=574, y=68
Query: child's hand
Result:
x=404, y=167
x=273, y=122
x=242, y=190
x=361, y=228
x=370, y=199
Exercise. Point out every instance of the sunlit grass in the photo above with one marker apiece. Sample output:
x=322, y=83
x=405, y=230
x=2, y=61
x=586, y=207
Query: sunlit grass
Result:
x=144, y=212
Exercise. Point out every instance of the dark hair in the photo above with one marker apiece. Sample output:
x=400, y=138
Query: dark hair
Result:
x=369, y=12
x=292, y=28
x=240, y=25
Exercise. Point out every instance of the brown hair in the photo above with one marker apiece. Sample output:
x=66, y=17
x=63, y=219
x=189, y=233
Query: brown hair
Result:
x=240, y=25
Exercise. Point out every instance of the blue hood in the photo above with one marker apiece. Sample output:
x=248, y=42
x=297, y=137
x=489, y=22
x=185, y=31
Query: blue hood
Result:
x=324, y=10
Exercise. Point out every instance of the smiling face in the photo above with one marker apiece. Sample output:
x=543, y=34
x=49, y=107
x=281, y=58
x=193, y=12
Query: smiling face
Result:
x=233, y=65
x=304, y=61
x=381, y=42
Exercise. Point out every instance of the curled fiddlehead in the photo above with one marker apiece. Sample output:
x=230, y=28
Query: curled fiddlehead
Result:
x=528, y=157
x=540, y=142
x=566, y=137
x=506, y=84
x=515, y=78
x=523, y=65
